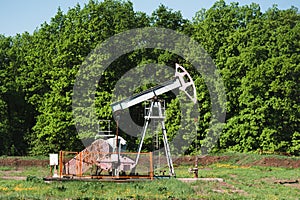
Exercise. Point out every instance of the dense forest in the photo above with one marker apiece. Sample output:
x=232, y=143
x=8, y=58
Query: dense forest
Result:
x=257, y=54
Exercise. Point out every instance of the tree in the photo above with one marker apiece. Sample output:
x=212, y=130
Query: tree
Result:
x=256, y=53
x=267, y=117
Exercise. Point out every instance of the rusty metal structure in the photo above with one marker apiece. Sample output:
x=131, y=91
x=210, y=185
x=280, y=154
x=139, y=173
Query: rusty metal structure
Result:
x=97, y=161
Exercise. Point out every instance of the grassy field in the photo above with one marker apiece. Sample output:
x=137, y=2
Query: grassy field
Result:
x=241, y=181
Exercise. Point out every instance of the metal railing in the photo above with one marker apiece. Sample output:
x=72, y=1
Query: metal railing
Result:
x=99, y=165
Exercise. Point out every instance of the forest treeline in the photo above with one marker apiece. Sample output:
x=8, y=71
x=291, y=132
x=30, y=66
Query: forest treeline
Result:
x=257, y=54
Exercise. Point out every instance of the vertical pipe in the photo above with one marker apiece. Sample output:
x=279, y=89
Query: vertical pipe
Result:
x=117, y=135
x=51, y=171
x=80, y=164
x=151, y=165
x=60, y=163
x=76, y=163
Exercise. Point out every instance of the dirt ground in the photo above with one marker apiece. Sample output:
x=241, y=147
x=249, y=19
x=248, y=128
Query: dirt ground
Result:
x=188, y=160
x=22, y=162
x=275, y=162
x=266, y=162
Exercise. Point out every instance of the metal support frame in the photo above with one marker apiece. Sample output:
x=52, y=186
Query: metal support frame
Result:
x=104, y=133
x=144, y=132
x=156, y=102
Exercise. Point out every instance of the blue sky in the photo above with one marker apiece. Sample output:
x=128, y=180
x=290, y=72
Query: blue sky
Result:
x=18, y=16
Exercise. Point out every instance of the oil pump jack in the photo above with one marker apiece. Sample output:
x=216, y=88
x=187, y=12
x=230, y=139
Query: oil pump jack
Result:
x=182, y=81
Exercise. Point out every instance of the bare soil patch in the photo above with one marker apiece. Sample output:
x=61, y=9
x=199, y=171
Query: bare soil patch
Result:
x=202, y=160
x=188, y=160
x=266, y=162
x=286, y=182
x=17, y=162
x=276, y=162
x=224, y=187
x=17, y=178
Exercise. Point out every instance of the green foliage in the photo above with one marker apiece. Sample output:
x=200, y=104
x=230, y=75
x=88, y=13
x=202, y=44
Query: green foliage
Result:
x=257, y=55
x=263, y=111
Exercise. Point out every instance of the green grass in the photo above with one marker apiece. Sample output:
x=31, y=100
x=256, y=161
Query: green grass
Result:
x=6, y=168
x=255, y=182
x=241, y=182
x=24, y=171
x=36, y=189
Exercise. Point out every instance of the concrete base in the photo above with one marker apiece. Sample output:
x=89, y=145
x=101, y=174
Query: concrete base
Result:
x=189, y=180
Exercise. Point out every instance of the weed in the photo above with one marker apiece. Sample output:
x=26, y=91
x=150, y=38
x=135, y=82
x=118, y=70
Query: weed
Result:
x=61, y=188
x=34, y=179
x=6, y=168
x=162, y=189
